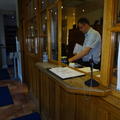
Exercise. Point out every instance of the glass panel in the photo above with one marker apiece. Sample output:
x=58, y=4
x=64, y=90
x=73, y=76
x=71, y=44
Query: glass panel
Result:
x=44, y=23
x=52, y=1
x=44, y=31
x=71, y=13
x=32, y=8
x=117, y=38
x=118, y=12
x=32, y=40
x=43, y=4
x=54, y=32
x=68, y=20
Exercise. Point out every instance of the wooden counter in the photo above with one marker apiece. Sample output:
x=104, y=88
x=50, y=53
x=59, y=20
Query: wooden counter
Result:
x=69, y=99
x=74, y=85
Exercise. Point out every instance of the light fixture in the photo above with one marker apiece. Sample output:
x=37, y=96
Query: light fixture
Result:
x=55, y=13
x=12, y=17
x=83, y=10
x=73, y=14
x=65, y=17
x=42, y=2
x=61, y=7
x=46, y=18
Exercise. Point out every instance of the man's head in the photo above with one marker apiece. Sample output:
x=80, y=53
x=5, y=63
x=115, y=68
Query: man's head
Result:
x=84, y=25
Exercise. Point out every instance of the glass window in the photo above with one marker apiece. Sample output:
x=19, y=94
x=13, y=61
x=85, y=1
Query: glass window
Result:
x=44, y=31
x=32, y=40
x=54, y=33
x=52, y=1
x=115, y=62
x=118, y=12
x=44, y=23
x=72, y=11
x=43, y=4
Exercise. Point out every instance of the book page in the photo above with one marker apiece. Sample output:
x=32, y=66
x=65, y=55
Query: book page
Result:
x=88, y=70
x=65, y=72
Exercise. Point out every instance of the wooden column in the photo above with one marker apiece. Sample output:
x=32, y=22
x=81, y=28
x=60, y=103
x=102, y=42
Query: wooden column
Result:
x=107, y=45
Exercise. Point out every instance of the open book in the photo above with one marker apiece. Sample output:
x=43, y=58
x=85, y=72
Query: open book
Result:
x=66, y=72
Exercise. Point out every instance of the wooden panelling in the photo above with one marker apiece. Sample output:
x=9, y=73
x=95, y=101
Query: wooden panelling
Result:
x=55, y=101
x=51, y=99
x=84, y=102
x=67, y=111
x=58, y=104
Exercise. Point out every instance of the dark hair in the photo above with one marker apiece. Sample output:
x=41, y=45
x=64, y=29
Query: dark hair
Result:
x=83, y=21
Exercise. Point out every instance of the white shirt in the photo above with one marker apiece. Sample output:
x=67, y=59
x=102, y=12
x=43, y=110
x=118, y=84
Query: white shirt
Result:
x=92, y=40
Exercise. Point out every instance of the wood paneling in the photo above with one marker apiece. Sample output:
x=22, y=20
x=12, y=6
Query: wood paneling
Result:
x=58, y=104
x=67, y=106
x=107, y=44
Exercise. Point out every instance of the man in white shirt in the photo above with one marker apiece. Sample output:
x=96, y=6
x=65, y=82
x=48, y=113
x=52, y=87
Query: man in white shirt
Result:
x=92, y=43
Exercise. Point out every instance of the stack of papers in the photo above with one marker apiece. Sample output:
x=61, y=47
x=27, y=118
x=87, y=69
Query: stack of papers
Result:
x=66, y=72
x=78, y=48
x=88, y=70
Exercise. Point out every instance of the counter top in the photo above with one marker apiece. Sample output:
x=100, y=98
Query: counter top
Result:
x=74, y=85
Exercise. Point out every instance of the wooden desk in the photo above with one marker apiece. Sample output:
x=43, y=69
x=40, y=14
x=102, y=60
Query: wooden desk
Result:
x=71, y=99
x=74, y=85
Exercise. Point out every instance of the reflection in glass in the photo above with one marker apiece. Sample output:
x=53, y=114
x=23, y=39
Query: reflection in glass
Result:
x=44, y=23
x=68, y=20
x=43, y=4
x=51, y=1
x=116, y=57
x=71, y=12
x=44, y=31
x=54, y=33
x=32, y=40
x=118, y=12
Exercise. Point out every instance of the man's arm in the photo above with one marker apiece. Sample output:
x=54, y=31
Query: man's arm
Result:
x=83, y=53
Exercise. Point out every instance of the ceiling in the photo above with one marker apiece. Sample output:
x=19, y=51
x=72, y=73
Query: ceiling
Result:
x=8, y=5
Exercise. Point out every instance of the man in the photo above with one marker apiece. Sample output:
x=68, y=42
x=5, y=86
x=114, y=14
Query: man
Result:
x=75, y=36
x=91, y=46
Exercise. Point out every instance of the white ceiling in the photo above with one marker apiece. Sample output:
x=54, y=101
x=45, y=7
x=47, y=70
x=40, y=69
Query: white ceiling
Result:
x=8, y=5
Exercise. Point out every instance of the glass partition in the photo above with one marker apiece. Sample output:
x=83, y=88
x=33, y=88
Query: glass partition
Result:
x=115, y=61
x=71, y=12
x=32, y=40
x=44, y=32
x=44, y=23
x=54, y=32
x=51, y=1
x=118, y=11
x=43, y=4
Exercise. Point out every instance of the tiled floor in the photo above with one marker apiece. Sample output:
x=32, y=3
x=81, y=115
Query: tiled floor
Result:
x=23, y=102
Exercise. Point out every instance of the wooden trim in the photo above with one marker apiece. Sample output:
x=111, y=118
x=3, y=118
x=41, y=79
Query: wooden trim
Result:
x=115, y=29
x=59, y=31
x=53, y=4
x=48, y=32
x=107, y=44
x=73, y=87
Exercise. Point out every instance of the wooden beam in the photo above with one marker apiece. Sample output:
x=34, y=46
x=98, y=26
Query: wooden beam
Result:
x=108, y=43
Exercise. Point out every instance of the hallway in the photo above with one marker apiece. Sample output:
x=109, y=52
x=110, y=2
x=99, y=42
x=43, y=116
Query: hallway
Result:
x=23, y=101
